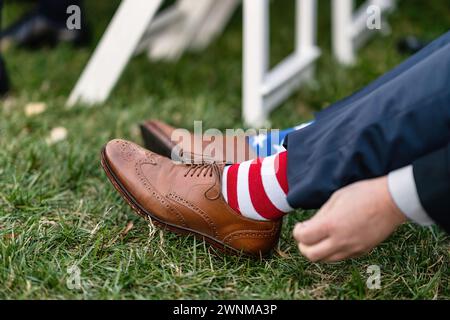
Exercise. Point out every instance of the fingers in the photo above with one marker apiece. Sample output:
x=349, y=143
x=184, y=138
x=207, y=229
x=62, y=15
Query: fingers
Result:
x=318, y=251
x=311, y=231
x=327, y=251
x=340, y=256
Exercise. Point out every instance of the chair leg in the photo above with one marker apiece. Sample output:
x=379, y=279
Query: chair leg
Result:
x=342, y=16
x=350, y=28
x=256, y=49
x=217, y=20
x=114, y=51
x=177, y=38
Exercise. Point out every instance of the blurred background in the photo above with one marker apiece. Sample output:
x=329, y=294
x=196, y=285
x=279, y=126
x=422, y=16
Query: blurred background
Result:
x=56, y=207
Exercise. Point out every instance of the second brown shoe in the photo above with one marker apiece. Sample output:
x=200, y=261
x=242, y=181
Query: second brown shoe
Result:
x=159, y=137
x=184, y=198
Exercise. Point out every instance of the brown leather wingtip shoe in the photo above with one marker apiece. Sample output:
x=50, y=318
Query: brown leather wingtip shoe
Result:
x=158, y=137
x=185, y=199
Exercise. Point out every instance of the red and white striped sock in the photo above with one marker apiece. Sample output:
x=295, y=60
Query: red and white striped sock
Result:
x=257, y=189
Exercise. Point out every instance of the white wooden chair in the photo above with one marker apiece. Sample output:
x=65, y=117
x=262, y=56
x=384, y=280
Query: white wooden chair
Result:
x=193, y=24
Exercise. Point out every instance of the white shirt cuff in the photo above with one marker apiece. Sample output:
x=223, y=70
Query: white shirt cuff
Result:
x=404, y=192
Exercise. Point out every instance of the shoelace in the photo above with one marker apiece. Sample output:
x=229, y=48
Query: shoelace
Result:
x=208, y=166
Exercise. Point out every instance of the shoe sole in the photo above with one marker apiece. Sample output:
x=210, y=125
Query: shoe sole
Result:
x=142, y=212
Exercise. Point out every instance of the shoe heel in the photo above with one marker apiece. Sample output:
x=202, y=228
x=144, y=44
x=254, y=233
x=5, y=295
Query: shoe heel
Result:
x=153, y=144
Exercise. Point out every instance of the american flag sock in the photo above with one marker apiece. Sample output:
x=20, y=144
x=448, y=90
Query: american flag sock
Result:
x=257, y=189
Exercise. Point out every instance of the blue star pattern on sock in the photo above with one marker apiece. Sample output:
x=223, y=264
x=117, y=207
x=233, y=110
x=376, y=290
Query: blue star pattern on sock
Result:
x=265, y=145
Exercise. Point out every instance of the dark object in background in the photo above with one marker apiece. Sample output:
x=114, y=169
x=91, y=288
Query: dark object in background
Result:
x=4, y=81
x=411, y=45
x=46, y=25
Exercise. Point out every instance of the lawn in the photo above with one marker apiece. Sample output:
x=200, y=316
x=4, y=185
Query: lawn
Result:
x=57, y=209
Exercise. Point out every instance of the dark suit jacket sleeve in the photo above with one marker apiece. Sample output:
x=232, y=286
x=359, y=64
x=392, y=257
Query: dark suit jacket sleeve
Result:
x=432, y=177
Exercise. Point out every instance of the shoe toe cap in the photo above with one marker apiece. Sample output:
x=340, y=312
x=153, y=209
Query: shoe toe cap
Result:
x=123, y=157
x=121, y=154
x=118, y=148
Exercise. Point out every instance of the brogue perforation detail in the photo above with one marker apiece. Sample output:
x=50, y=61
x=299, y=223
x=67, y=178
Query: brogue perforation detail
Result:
x=149, y=158
x=148, y=186
x=127, y=150
x=186, y=203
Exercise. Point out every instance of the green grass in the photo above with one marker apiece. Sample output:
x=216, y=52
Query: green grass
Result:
x=57, y=208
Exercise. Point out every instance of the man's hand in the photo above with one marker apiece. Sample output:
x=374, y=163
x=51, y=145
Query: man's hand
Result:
x=355, y=220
